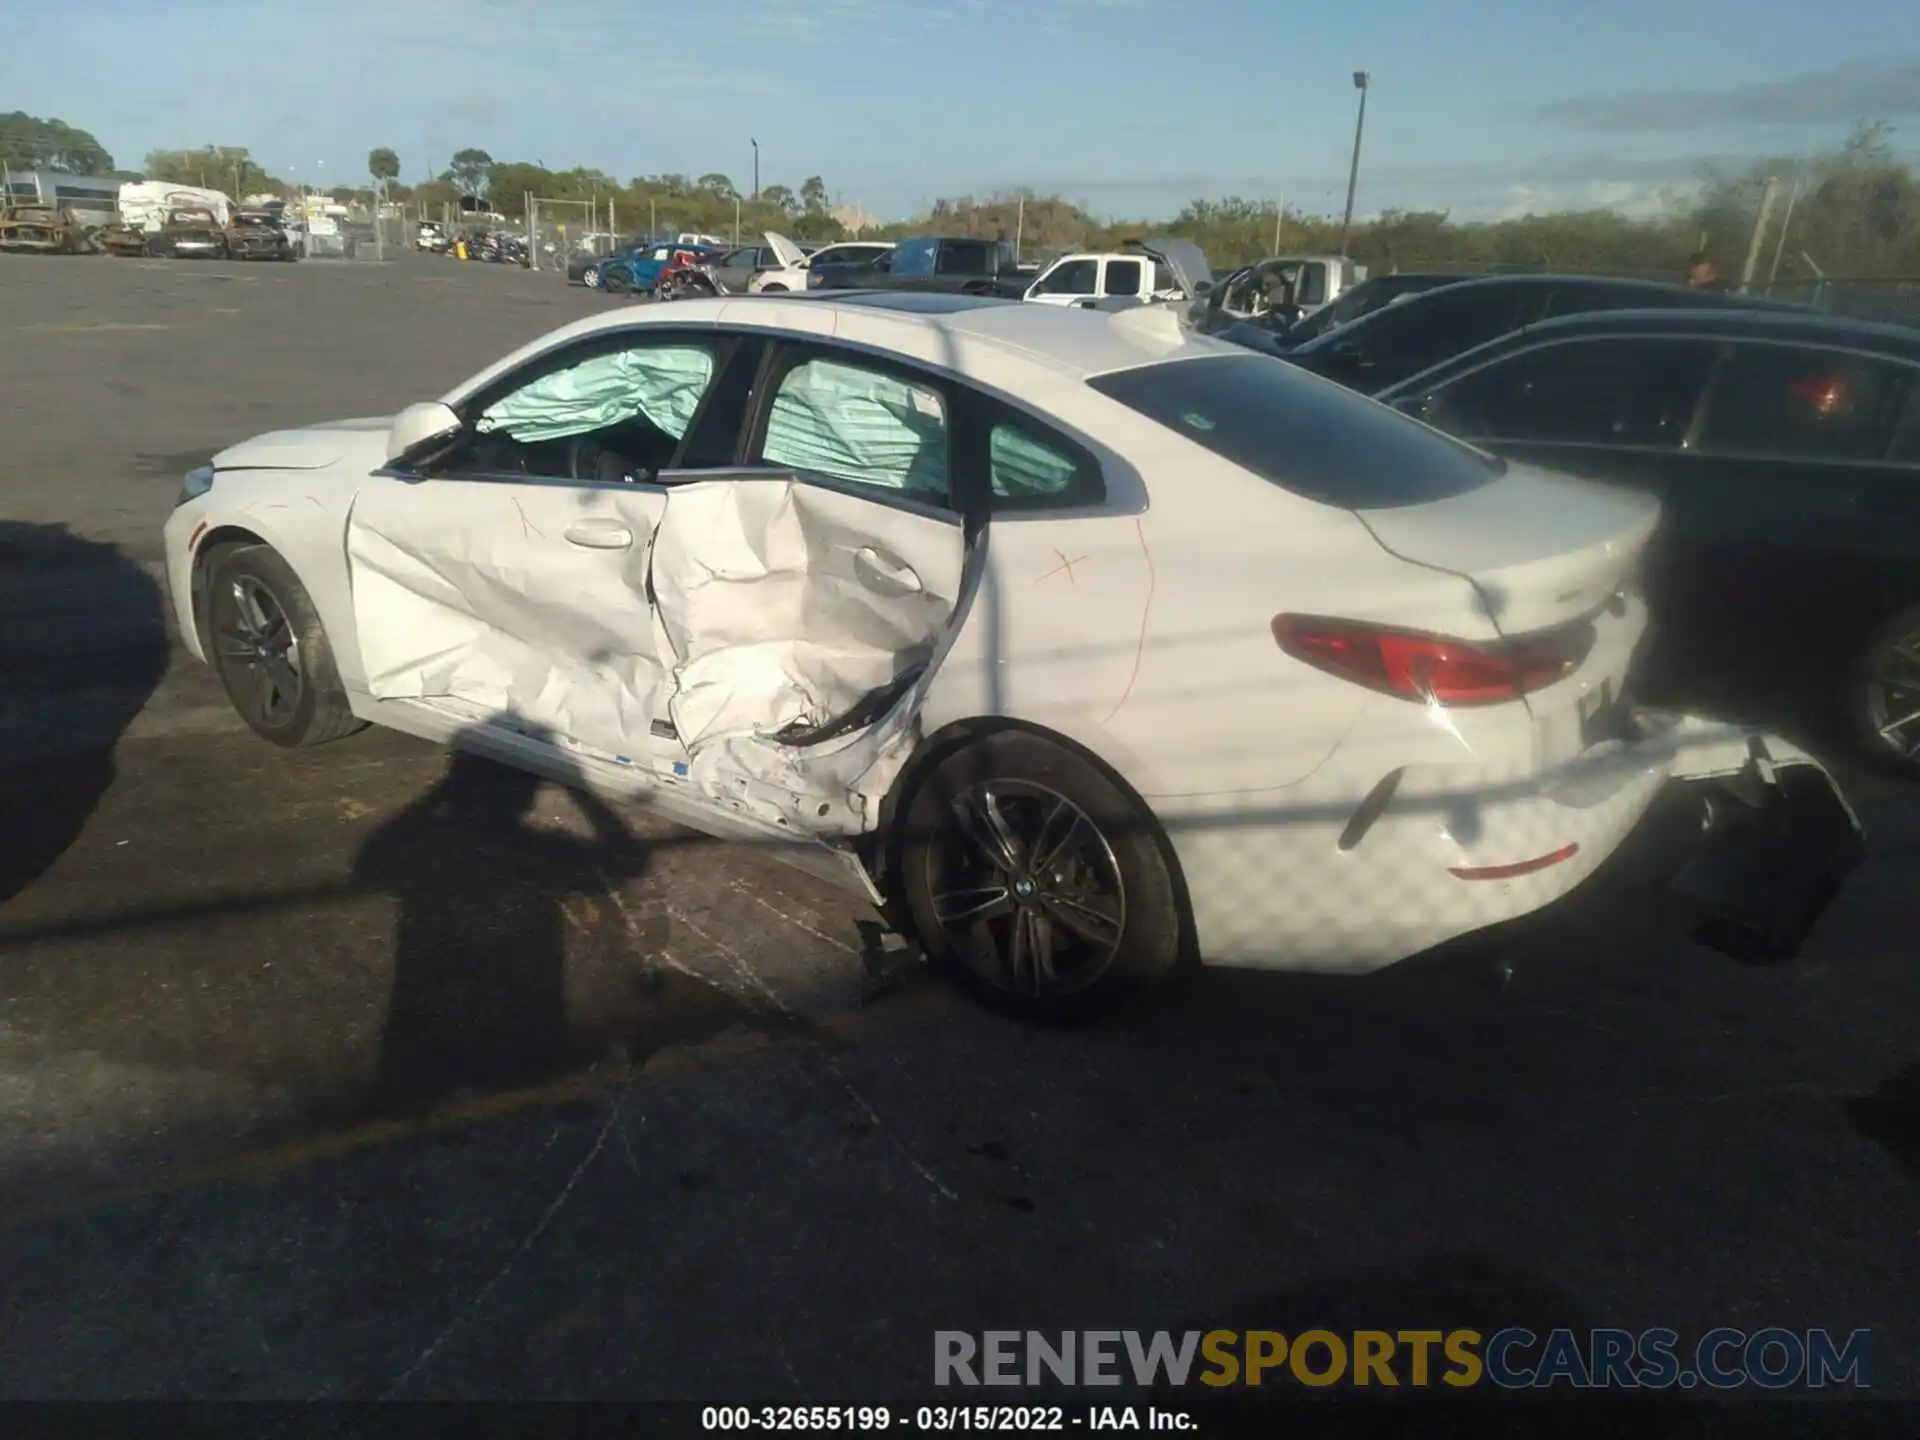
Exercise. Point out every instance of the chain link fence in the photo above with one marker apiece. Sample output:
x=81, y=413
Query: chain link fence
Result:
x=558, y=230
x=1893, y=299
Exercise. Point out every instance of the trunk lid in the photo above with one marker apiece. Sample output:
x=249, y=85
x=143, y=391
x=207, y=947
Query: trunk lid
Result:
x=1541, y=549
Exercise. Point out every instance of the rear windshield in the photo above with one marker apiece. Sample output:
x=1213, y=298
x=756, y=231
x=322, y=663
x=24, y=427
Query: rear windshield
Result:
x=1304, y=434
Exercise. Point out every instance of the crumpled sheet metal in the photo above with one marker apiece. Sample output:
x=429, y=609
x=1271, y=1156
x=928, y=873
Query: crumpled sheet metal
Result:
x=777, y=603
x=767, y=595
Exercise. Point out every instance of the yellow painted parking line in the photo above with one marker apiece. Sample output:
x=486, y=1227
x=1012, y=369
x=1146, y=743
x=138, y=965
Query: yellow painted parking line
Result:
x=670, y=1060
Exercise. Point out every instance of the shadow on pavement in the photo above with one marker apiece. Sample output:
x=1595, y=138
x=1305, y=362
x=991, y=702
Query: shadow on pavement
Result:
x=491, y=905
x=83, y=644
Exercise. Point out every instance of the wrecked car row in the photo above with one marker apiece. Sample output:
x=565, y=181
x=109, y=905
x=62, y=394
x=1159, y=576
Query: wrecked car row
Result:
x=173, y=234
x=1084, y=645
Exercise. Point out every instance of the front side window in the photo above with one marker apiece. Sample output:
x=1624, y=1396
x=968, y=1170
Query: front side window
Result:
x=1624, y=391
x=1072, y=277
x=914, y=257
x=616, y=415
x=860, y=424
x=1804, y=402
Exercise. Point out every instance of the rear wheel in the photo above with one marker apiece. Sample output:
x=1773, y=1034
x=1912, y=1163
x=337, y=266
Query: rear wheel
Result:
x=591, y=279
x=1032, y=879
x=1885, y=694
x=267, y=643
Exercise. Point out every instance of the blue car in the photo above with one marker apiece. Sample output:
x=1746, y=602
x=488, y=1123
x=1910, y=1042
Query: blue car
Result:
x=635, y=271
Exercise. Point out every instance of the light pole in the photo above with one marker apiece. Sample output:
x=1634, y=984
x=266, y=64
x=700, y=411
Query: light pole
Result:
x=1360, y=79
x=756, y=169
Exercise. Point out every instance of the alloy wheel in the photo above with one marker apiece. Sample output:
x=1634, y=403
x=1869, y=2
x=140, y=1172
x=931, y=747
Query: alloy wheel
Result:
x=260, y=653
x=1893, y=697
x=591, y=278
x=1027, y=889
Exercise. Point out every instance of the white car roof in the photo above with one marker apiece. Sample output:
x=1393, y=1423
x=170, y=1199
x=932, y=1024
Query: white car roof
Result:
x=997, y=342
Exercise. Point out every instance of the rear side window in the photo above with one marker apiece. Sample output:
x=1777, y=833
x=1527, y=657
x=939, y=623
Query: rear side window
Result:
x=1032, y=470
x=1805, y=403
x=860, y=425
x=1306, y=435
x=1124, y=276
x=1589, y=392
x=965, y=257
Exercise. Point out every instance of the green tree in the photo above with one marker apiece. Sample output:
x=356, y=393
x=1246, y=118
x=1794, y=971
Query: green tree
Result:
x=471, y=170
x=813, y=195
x=383, y=165
x=717, y=185
x=29, y=143
x=227, y=168
x=781, y=199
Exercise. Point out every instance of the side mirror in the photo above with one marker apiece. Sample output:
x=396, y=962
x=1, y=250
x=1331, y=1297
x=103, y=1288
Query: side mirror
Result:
x=419, y=427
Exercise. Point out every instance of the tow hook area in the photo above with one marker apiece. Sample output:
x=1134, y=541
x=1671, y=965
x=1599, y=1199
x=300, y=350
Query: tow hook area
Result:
x=1776, y=845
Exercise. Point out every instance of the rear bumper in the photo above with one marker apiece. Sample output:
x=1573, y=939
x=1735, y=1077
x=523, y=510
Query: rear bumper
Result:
x=1333, y=880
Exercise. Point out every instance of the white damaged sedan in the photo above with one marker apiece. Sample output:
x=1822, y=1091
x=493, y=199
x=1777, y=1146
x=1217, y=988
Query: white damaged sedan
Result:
x=1086, y=644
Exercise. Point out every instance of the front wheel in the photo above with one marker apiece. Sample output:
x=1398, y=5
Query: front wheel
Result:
x=271, y=652
x=1032, y=879
x=591, y=279
x=1885, y=694
x=614, y=285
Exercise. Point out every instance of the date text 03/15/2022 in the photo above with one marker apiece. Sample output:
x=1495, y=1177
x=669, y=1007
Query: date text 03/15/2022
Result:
x=943, y=1419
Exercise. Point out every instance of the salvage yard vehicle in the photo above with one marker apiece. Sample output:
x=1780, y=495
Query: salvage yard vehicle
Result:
x=774, y=253
x=1084, y=644
x=1161, y=270
x=256, y=235
x=797, y=277
x=430, y=236
x=1376, y=292
x=1312, y=281
x=1785, y=451
x=637, y=271
x=189, y=235
x=41, y=230
x=121, y=238
x=949, y=264
x=1398, y=341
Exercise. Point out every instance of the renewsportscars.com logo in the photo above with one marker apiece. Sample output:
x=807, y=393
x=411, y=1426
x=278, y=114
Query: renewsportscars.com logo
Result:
x=1512, y=1359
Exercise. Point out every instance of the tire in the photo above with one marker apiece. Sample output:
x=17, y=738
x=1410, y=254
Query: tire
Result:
x=1883, y=687
x=614, y=285
x=257, y=612
x=1105, y=870
x=590, y=279
x=773, y=289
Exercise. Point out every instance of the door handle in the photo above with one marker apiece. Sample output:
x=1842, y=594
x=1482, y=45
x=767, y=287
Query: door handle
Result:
x=600, y=535
x=890, y=570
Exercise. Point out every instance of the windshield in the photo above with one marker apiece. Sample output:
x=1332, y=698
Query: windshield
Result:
x=1304, y=434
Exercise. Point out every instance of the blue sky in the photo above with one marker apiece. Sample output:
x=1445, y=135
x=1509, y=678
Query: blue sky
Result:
x=1129, y=106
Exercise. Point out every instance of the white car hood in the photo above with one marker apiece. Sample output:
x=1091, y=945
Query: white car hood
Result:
x=314, y=447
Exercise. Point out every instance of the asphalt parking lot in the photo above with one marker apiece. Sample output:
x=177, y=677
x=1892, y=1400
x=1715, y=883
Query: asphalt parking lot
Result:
x=269, y=1130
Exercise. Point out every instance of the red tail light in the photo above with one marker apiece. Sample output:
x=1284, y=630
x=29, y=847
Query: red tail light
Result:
x=1431, y=668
